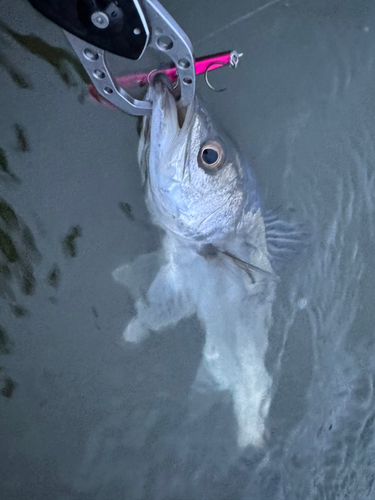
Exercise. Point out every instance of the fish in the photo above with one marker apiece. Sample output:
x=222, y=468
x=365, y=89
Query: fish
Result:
x=218, y=258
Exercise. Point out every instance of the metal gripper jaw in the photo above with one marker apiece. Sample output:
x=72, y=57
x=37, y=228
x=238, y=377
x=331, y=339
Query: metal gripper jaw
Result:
x=124, y=28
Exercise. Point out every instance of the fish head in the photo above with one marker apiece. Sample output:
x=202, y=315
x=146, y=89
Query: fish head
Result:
x=197, y=183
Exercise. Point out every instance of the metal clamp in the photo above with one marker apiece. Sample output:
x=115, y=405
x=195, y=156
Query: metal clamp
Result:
x=168, y=37
x=164, y=35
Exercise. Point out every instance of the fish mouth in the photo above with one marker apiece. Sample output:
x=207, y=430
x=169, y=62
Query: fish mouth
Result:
x=165, y=133
x=165, y=110
x=161, y=85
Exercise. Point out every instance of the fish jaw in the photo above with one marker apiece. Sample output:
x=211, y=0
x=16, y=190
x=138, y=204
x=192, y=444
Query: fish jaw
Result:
x=159, y=155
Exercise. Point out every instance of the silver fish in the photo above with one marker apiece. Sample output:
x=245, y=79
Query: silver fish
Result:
x=216, y=256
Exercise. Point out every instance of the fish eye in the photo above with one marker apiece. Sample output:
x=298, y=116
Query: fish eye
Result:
x=211, y=157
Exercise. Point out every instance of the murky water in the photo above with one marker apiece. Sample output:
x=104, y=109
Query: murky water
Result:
x=82, y=417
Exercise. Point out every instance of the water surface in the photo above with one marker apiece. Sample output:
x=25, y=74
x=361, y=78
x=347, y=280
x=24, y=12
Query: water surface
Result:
x=82, y=417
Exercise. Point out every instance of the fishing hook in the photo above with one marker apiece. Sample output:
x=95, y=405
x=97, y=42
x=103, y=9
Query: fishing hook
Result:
x=153, y=73
x=206, y=78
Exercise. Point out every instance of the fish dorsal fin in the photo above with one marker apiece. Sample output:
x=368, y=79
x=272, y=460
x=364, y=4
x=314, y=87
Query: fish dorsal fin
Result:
x=285, y=239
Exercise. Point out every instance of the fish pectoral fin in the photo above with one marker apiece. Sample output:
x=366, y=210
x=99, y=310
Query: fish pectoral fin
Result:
x=138, y=274
x=166, y=302
x=250, y=269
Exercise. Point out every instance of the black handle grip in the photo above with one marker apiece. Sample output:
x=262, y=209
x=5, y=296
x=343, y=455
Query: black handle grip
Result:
x=114, y=26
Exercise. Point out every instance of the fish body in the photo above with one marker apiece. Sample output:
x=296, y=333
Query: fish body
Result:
x=216, y=256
